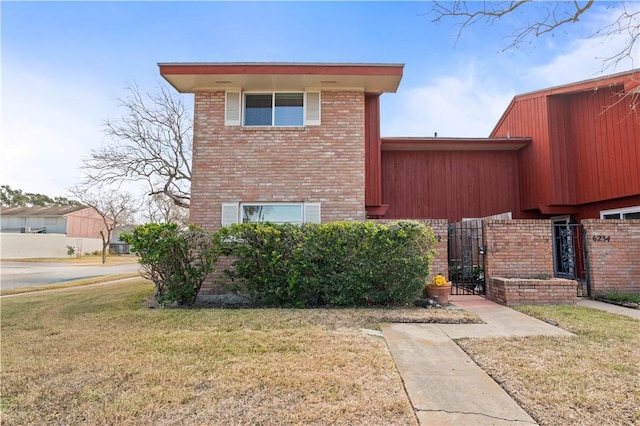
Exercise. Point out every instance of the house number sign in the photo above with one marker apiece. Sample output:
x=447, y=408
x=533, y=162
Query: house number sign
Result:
x=601, y=238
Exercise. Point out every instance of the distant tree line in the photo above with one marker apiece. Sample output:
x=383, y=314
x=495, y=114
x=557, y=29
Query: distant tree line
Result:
x=16, y=198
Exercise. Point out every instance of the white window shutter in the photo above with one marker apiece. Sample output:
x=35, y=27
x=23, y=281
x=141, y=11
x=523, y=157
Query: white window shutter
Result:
x=312, y=107
x=312, y=212
x=232, y=109
x=229, y=213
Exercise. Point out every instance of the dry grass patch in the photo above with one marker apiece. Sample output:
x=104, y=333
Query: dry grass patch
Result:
x=96, y=355
x=591, y=379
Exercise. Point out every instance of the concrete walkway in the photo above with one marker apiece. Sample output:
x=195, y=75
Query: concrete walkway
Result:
x=444, y=385
x=614, y=309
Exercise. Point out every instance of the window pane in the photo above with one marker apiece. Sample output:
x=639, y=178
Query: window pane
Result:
x=611, y=216
x=257, y=111
x=274, y=213
x=289, y=110
x=631, y=215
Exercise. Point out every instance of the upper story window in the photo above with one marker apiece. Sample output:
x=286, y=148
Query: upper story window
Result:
x=626, y=213
x=276, y=109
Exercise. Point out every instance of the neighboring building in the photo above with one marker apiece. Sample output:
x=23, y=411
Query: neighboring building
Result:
x=301, y=143
x=76, y=221
x=584, y=159
x=117, y=246
x=571, y=151
x=31, y=232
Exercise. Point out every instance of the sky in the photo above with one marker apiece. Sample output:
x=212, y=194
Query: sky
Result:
x=65, y=64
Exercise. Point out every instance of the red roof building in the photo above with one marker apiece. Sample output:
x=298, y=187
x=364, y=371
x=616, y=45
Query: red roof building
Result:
x=289, y=142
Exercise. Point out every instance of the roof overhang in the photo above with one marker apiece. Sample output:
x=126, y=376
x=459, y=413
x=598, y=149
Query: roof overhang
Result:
x=454, y=144
x=197, y=77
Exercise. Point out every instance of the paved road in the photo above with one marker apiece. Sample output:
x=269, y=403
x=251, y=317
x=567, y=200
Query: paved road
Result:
x=27, y=274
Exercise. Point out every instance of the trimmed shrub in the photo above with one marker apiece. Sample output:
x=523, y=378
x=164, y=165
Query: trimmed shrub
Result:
x=339, y=263
x=176, y=259
x=265, y=261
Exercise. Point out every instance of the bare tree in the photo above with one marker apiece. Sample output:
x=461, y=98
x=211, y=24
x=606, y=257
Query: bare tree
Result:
x=151, y=142
x=546, y=17
x=159, y=209
x=114, y=208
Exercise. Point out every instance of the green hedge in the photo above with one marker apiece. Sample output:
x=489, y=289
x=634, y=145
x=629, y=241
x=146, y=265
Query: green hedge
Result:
x=339, y=263
x=176, y=259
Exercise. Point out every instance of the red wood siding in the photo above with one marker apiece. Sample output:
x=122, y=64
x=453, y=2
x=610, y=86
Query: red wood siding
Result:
x=585, y=149
x=603, y=146
x=592, y=211
x=528, y=118
x=373, y=146
x=449, y=184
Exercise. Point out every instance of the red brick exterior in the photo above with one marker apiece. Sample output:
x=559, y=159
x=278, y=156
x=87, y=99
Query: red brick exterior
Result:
x=518, y=248
x=613, y=255
x=301, y=164
x=519, y=291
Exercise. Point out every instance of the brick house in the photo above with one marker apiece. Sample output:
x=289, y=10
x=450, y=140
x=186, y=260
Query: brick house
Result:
x=291, y=142
x=282, y=142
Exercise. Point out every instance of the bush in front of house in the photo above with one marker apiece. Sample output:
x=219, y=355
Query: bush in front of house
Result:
x=339, y=263
x=176, y=259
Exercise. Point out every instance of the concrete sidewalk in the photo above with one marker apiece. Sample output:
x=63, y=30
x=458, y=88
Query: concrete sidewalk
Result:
x=444, y=385
x=613, y=309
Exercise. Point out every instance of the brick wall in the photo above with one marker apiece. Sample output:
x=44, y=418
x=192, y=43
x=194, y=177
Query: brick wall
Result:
x=518, y=248
x=302, y=164
x=613, y=255
x=519, y=291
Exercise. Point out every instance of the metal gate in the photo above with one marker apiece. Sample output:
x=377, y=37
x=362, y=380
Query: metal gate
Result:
x=466, y=257
x=570, y=255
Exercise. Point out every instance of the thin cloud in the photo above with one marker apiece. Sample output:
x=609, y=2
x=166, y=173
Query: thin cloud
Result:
x=588, y=58
x=463, y=105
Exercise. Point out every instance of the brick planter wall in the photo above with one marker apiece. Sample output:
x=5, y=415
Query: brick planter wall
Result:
x=518, y=248
x=614, y=255
x=522, y=291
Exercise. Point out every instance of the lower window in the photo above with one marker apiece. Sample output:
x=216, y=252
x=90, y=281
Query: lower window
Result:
x=296, y=213
x=274, y=213
x=626, y=213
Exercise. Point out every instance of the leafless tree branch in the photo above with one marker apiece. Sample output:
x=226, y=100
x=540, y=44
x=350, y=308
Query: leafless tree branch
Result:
x=151, y=142
x=547, y=17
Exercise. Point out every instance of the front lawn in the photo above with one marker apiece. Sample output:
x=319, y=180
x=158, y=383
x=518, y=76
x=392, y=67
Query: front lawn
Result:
x=591, y=379
x=99, y=355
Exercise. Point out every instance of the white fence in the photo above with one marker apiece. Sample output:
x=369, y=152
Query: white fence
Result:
x=26, y=246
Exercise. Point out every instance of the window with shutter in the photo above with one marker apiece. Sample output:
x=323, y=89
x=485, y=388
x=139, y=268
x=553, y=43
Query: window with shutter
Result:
x=296, y=213
x=280, y=109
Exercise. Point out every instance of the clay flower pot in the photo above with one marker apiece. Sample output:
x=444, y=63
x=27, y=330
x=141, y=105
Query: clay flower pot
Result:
x=440, y=293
